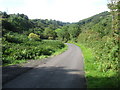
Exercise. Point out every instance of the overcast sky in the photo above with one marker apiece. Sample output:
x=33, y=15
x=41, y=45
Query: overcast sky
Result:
x=63, y=10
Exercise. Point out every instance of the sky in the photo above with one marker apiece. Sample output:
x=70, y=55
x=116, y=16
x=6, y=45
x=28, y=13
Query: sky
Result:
x=62, y=10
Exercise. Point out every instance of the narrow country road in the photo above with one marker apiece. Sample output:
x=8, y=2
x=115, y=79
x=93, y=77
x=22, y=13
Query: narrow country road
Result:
x=63, y=71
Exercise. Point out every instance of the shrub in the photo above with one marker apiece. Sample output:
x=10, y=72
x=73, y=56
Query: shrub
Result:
x=14, y=52
x=50, y=38
x=15, y=37
x=33, y=36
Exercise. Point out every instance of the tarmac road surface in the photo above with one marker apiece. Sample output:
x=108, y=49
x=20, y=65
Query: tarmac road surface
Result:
x=63, y=71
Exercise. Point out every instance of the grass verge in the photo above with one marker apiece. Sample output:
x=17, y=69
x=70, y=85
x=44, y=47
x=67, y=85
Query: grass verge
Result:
x=57, y=52
x=95, y=77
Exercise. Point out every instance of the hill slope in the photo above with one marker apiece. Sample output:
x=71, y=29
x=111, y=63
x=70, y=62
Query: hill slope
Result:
x=97, y=35
x=22, y=38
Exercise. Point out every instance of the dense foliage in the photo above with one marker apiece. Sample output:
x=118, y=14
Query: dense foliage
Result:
x=99, y=37
x=68, y=32
x=16, y=52
x=23, y=38
x=100, y=33
x=21, y=24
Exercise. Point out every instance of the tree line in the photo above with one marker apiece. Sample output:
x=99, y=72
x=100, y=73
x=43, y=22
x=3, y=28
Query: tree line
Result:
x=20, y=23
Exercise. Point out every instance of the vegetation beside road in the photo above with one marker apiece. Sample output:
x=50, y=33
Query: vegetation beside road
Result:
x=98, y=37
x=17, y=53
x=24, y=39
x=99, y=41
x=94, y=76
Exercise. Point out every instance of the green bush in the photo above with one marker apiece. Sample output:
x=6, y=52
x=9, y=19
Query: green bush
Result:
x=15, y=37
x=50, y=38
x=33, y=36
x=15, y=52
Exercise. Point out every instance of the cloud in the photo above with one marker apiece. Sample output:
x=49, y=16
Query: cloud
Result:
x=64, y=10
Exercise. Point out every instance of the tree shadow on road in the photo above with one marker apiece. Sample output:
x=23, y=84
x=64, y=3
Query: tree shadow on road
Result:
x=57, y=76
x=10, y=72
x=49, y=77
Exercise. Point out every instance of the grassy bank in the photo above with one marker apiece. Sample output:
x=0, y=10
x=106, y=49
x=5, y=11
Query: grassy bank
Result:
x=95, y=77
